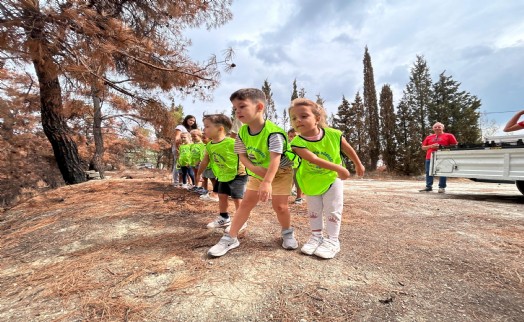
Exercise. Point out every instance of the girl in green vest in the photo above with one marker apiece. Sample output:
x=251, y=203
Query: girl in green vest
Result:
x=320, y=174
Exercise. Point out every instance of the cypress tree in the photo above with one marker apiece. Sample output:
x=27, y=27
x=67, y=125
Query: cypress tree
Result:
x=388, y=126
x=371, y=112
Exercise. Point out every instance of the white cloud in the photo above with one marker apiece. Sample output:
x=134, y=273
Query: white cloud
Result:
x=321, y=44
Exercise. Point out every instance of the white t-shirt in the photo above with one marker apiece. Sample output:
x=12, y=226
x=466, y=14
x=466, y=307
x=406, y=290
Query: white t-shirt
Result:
x=181, y=128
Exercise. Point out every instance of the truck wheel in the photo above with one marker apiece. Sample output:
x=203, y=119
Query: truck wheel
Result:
x=520, y=186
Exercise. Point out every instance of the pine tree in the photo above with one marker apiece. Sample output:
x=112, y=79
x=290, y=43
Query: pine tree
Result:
x=418, y=95
x=388, y=127
x=371, y=112
x=138, y=43
x=344, y=121
x=409, y=154
x=270, y=113
x=359, y=138
x=457, y=110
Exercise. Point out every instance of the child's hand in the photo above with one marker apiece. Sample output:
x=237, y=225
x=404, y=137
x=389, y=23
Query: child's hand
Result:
x=360, y=170
x=343, y=173
x=264, y=191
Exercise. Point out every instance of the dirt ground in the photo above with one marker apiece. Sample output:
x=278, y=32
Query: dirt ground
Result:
x=132, y=248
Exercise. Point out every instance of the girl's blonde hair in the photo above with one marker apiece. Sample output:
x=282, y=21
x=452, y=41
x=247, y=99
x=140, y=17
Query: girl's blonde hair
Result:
x=317, y=110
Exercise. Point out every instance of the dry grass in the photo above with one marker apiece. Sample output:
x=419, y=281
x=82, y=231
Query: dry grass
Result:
x=134, y=250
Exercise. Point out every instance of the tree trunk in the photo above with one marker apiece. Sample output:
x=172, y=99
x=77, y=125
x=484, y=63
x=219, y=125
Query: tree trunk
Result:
x=54, y=123
x=96, y=162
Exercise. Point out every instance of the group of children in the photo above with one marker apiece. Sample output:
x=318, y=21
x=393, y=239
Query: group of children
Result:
x=261, y=164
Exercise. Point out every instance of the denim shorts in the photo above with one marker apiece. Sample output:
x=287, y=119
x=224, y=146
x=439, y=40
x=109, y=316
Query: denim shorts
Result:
x=208, y=173
x=234, y=188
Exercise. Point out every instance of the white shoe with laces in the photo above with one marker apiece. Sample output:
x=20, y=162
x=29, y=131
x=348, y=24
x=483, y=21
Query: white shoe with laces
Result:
x=312, y=244
x=225, y=244
x=328, y=249
x=219, y=222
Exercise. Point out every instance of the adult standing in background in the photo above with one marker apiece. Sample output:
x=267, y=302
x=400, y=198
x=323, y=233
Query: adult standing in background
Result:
x=432, y=143
x=187, y=125
x=514, y=124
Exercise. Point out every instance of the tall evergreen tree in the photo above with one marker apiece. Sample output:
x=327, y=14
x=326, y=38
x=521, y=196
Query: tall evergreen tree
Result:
x=344, y=121
x=294, y=94
x=360, y=140
x=457, y=110
x=270, y=112
x=418, y=95
x=409, y=154
x=371, y=112
x=388, y=126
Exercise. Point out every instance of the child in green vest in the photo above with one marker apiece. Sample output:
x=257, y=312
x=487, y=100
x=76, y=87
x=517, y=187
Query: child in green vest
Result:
x=230, y=174
x=320, y=174
x=263, y=148
x=184, y=160
x=197, y=153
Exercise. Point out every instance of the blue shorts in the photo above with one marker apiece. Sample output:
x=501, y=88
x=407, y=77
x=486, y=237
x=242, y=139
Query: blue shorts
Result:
x=234, y=188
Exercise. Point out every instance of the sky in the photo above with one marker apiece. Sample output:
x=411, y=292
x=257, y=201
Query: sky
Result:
x=321, y=44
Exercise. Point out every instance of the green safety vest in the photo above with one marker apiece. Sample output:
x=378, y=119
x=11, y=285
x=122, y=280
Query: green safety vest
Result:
x=225, y=162
x=184, y=155
x=312, y=179
x=257, y=146
x=197, y=153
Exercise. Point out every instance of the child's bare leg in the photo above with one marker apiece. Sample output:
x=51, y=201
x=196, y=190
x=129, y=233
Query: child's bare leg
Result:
x=223, y=203
x=281, y=208
x=244, y=210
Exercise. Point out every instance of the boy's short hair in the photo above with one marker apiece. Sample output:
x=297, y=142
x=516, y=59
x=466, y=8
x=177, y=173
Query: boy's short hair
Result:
x=219, y=119
x=253, y=94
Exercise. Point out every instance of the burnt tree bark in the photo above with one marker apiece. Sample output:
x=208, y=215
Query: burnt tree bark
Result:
x=96, y=162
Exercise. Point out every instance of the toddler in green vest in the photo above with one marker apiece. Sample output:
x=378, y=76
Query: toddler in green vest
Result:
x=320, y=173
x=230, y=174
x=263, y=148
x=184, y=160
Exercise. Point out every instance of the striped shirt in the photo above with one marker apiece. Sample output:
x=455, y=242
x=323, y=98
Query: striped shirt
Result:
x=276, y=144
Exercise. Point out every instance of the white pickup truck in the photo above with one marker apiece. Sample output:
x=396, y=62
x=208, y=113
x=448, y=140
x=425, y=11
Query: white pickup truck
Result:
x=500, y=159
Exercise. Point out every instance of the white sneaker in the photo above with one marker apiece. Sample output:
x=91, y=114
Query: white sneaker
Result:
x=441, y=190
x=207, y=197
x=312, y=244
x=184, y=186
x=288, y=239
x=219, y=222
x=225, y=244
x=328, y=249
x=244, y=226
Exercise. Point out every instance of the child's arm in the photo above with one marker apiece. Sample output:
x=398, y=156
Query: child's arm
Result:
x=350, y=152
x=259, y=171
x=265, y=190
x=203, y=165
x=305, y=154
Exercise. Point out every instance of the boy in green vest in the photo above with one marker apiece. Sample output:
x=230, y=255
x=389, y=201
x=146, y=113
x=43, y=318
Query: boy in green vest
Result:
x=263, y=148
x=230, y=174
